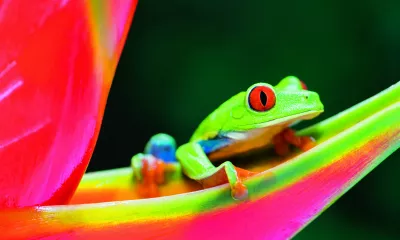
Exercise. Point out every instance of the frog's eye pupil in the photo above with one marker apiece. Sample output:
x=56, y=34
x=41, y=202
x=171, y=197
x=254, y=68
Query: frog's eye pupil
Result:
x=261, y=98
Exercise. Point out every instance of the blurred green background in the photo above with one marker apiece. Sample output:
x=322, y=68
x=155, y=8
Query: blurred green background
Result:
x=183, y=58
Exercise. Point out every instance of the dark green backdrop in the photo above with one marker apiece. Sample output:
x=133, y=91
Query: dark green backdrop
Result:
x=183, y=58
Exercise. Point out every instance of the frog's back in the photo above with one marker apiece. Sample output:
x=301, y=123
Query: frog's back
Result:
x=211, y=126
x=208, y=129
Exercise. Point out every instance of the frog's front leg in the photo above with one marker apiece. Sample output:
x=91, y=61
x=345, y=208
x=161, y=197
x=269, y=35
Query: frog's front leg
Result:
x=196, y=165
x=149, y=168
x=288, y=136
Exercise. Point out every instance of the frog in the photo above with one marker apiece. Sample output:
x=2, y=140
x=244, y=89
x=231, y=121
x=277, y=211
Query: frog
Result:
x=260, y=117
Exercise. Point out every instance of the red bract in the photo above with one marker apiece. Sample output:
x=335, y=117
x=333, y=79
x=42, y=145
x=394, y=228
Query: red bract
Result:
x=54, y=80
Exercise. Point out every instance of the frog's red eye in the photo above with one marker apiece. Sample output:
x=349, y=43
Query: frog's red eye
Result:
x=303, y=85
x=261, y=98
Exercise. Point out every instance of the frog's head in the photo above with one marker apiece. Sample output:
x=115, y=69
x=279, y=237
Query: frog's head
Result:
x=263, y=105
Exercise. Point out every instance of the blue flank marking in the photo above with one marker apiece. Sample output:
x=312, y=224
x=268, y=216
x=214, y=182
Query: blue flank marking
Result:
x=213, y=145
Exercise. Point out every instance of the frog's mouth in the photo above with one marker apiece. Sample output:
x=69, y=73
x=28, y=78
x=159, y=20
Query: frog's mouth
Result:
x=259, y=136
x=290, y=120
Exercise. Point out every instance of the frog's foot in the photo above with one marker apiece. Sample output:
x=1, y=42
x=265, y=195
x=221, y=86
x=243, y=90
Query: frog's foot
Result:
x=228, y=173
x=288, y=136
x=149, y=172
x=149, y=168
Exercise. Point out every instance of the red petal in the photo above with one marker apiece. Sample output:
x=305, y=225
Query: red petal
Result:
x=54, y=81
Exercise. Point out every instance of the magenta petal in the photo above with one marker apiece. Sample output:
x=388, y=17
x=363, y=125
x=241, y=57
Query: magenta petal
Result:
x=54, y=81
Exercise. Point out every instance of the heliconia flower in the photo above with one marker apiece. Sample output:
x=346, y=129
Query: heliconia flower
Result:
x=283, y=199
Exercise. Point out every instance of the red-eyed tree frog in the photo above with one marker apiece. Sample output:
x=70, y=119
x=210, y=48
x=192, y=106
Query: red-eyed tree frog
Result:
x=254, y=119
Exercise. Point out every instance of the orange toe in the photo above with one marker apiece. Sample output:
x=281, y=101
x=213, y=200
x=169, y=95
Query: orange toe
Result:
x=153, y=175
x=307, y=143
x=239, y=191
x=280, y=145
x=160, y=172
x=290, y=137
x=243, y=173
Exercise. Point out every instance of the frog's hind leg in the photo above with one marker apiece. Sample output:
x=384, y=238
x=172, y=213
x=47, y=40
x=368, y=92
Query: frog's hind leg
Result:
x=149, y=167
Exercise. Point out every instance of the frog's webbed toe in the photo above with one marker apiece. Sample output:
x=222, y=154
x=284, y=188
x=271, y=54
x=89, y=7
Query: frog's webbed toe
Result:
x=228, y=173
x=288, y=137
x=149, y=172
